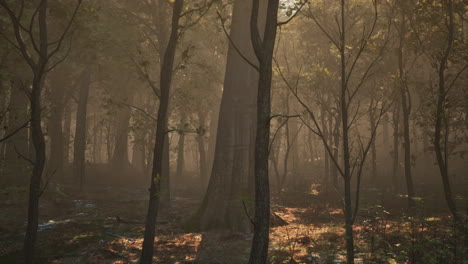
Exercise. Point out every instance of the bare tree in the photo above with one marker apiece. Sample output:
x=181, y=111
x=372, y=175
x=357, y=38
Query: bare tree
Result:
x=38, y=55
x=263, y=48
x=161, y=131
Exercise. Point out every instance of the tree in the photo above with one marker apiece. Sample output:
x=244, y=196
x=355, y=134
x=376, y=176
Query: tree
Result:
x=79, y=146
x=350, y=59
x=263, y=47
x=231, y=182
x=161, y=131
x=38, y=56
x=405, y=100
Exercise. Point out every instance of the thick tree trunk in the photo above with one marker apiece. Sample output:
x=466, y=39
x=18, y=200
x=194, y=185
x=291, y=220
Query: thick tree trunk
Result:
x=120, y=160
x=79, y=146
x=161, y=136
x=231, y=181
x=139, y=153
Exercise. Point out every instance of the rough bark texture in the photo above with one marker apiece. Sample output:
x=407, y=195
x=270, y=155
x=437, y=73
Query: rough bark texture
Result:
x=264, y=52
x=161, y=133
x=231, y=181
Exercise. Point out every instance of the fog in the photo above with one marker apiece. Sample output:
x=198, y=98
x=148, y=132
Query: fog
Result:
x=240, y=131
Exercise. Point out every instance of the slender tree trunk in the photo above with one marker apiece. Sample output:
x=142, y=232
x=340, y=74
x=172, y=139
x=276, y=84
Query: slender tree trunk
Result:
x=349, y=237
x=396, y=151
x=180, y=158
x=373, y=149
x=161, y=132
x=441, y=121
x=37, y=136
x=335, y=142
x=406, y=107
x=326, y=165
x=202, y=151
x=66, y=134
x=55, y=125
x=79, y=147
x=264, y=52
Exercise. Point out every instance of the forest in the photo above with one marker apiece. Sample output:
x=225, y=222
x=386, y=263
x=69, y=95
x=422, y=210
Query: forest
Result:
x=234, y=131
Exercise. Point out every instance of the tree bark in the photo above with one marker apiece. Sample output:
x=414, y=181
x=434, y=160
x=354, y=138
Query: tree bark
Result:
x=161, y=132
x=441, y=119
x=406, y=111
x=120, y=160
x=264, y=52
x=396, y=146
x=232, y=182
x=202, y=151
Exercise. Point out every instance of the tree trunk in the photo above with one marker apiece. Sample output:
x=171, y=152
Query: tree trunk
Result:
x=161, y=133
x=180, y=152
x=396, y=151
x=55, y=131
x=264, y=52
x=371, y=112
x=66, y=133
x=120, y=160
x=202, y=151
x=39, y=71
x=349, y=237
x=406, y=107
x=326, y=164
x=79, y=146
x=442, y=120
x=231, y=181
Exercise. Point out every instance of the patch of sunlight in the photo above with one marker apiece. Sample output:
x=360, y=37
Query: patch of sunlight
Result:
x=50, y=224
x=81, y=236
x=314, y=191
x=432, y=219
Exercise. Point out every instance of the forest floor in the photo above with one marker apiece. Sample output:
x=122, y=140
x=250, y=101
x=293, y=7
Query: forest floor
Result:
x=105, y=225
